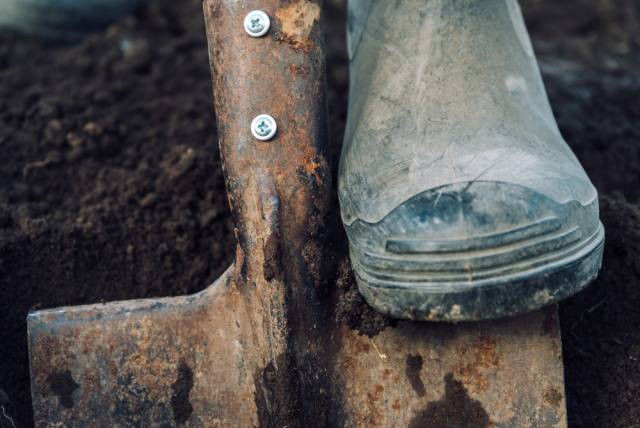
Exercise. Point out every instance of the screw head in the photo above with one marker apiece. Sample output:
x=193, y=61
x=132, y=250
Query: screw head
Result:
x=256, y=23
x=264, y=127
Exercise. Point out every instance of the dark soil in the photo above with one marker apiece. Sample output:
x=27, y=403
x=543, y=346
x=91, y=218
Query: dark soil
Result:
x=352, y=310
x=111, y=186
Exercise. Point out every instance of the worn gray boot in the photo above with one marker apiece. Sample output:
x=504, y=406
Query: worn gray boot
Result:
x=460, y=197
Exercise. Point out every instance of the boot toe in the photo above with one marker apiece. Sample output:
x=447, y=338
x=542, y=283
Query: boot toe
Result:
x=476, y=250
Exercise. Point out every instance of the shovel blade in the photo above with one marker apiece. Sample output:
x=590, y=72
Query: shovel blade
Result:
x=196, y=361
x=155, y=362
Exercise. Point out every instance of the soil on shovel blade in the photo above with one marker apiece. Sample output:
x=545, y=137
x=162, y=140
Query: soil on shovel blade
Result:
x=111, y=187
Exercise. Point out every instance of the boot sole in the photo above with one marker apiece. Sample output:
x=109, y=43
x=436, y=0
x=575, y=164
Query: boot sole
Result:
x=466, y=285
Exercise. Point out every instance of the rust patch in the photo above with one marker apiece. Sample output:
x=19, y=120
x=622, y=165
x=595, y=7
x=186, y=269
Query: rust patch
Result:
x=314, y=167
x=374, y=408
x=485, y=356
x=301, y=70
x=412, y=371
x=63, y=385
x=310, y=167
x=553, y=397
x=455, y=409
x=297, y=21
x=272, y=265
x=181, y=388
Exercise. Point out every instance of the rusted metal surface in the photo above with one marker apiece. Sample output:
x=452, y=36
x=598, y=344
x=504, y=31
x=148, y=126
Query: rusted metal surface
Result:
x=279, y=192
x=260, y=346
x=160, y=362
x=505, y=373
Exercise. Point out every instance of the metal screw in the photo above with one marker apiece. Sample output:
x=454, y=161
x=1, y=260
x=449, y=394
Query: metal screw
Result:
x=256, y=23
x=264, y=127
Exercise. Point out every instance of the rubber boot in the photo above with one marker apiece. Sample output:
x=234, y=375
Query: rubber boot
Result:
x=460, y=198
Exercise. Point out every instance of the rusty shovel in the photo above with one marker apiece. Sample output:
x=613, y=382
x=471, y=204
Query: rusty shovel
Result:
x=261, y=346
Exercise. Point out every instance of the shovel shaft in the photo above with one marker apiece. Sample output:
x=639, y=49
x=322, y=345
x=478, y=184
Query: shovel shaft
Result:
x=279, y=190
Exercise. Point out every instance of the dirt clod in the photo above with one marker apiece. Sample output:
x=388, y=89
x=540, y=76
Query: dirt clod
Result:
x=352, y=310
